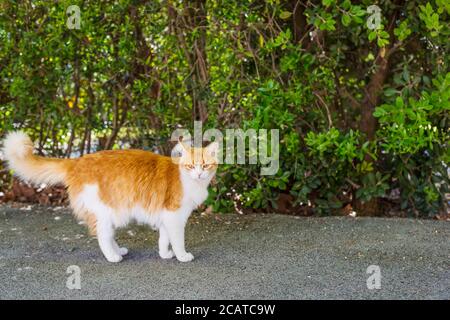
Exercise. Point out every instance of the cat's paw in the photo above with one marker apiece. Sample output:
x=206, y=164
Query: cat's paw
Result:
x=114, y=258
x=185, y=257
x=123, y=251
x=167, y=255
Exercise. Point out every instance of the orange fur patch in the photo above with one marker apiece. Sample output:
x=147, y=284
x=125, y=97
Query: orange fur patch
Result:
x=126, y=178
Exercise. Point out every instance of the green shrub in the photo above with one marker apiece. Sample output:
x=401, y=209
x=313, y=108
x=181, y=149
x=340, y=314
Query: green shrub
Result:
x=362, y=109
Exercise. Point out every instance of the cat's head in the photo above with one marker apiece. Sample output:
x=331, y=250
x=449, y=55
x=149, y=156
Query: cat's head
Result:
x=198, y=163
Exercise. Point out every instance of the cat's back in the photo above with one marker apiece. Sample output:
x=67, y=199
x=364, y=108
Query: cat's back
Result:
x=130, y=154
x=127, y=178
x=119, y=157
x=121, y=163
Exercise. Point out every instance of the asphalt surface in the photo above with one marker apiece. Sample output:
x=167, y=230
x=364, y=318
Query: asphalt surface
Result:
x=237, y=257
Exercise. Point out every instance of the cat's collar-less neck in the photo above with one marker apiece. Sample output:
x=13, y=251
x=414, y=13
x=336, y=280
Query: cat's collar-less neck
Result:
x=201, y=183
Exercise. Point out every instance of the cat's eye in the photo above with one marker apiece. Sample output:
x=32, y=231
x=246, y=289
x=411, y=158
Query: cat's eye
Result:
x=206, y=166
x=190, y=166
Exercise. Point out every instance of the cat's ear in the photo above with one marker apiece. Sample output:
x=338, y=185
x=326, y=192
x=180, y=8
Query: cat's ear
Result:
x=181, y=148
x=213, y=149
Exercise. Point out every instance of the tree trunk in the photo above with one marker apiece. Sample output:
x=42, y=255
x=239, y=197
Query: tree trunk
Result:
x=193, y=19
x=373, y=91
x=200, y=66
x=299, y=24
x=368, y=122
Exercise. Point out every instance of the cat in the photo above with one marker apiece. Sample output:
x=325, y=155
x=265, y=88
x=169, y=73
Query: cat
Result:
x=109, y=189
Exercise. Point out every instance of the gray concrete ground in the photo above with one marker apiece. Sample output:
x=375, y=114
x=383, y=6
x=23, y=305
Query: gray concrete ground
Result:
x=237, y=257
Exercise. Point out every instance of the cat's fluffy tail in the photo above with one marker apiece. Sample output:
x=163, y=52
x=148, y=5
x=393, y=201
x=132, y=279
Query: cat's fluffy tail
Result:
x=18, y=151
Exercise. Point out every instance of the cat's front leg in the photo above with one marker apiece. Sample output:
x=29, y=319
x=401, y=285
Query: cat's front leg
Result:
x=164, y=242
x=174, y=223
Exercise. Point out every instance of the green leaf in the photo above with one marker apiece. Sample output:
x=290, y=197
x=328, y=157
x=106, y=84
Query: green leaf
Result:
x=372, y=35
x=390, y=92
x=346, y=20
x=285, y=15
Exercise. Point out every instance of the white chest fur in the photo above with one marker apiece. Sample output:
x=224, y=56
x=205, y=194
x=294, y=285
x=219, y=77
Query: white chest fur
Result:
x=195, y=192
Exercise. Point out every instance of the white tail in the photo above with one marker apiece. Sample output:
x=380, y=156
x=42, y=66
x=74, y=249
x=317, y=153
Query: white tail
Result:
x=18, y=151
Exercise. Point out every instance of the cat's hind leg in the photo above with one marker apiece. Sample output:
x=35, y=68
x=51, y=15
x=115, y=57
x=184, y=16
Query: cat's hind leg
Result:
x=87, y=218
x=121, y=250
x=90, y=220
x=88, y=200
x=105, y=236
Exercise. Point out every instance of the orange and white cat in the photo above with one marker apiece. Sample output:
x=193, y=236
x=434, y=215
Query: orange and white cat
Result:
x=109, y=189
